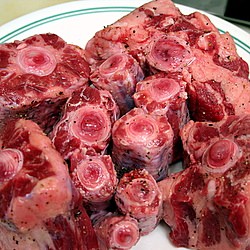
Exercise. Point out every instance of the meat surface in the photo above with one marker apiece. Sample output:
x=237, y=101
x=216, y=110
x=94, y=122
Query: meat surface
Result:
x=207, y=204
x=119, y=75
x=132, y=33
x=95, y=178
x=37, y=75
x=144, y=141
x=115, y=231
x=38, y=201
x=215, y=143
x=162, y=39
x=138, y=195
x=164, y=94
x=156, y=68
x=215, y=92
x=85, y=126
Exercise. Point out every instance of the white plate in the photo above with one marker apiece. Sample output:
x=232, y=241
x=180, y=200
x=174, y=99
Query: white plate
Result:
x=76, y=22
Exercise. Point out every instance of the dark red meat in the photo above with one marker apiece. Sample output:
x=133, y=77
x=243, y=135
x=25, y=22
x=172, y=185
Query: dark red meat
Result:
x=138, y=195
x=207, y=204
x=215, y=92
x=95, y=178
x=38, y=201
x=164, y=94
x=142, y=140
x=37, y=75
x=86, y=123
x=119, y=75
x=215, y=144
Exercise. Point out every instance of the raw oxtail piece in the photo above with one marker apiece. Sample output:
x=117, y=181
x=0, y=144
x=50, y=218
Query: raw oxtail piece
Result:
x=207, y=204
x=39, y=208
x=132, y=33
x=215, y=92
x=86, y=123
x=115, y=231
x=142, y=140
x=217, y=145
x=95, y=178
x=164, y=94
x=37, y=75
x=119, y=75
x=139, y=196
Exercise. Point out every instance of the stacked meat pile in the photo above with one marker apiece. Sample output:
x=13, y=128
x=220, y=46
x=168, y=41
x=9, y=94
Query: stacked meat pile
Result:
x=89, y=136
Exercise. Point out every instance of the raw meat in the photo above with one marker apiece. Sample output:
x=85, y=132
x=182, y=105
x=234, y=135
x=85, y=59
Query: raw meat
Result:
x=142, y=140
x=119, y=75
x=132, y=33
x=201, y=139
x=164, y=94
x=207, y=204
x=115, y=231
x=37, y=75
x=161, y=38
x=95, y=178
x=38, y=201
x=139, y=196
x=215, y=92
x=86, y=123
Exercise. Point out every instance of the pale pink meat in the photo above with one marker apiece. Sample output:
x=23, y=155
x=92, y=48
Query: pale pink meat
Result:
x=119, y=75
x=215, y=92
x=213, y=144
x=131, y=32
x=168, y=53
x=41, y=198
x=142, y=140
x=115, y=231
x=164, y=94
x=11, y=162
x=139, y=196
x=95, y=178
x=86, y=123
x=40, y=208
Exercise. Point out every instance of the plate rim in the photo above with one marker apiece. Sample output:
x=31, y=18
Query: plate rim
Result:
x=83, y=7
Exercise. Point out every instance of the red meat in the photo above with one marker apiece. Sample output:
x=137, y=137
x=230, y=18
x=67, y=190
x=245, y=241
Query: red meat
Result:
x=86, y=123
x=37, y=75
x=164, y=94
x=114, y=231
x=141, y=140
x=139, y=196
x=38, y=201
x=119, y=75
x=95, y=178
x=207, y=204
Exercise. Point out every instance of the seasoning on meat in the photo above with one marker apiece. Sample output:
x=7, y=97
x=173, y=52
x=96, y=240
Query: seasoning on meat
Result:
x=37, y=75
x=86, y=123
x=95, y=178
x=119, y=75
x=138, y=196
x=38, y=200
x=142, y=140
x=207, y=204
x=115, y=231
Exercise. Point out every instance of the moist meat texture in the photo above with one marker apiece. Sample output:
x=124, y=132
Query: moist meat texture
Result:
x=207, y=204
x=152, y=88
x=39, y=204
x=37, y=75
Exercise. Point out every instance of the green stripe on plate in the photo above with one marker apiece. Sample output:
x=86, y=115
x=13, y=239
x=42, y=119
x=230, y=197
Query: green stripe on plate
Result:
x=63, y=15
x=88, y=11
